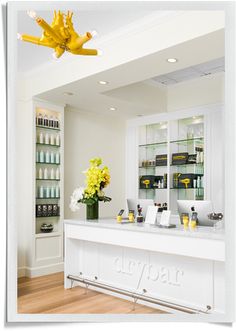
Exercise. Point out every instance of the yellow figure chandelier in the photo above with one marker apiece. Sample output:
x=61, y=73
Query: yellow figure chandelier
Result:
x=60, y=35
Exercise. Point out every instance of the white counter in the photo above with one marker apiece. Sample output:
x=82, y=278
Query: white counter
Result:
x=181, y=266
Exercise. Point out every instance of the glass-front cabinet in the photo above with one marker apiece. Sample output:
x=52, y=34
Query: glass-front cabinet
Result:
x=171, y=161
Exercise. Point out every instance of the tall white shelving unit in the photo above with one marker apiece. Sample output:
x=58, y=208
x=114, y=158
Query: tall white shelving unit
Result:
x=185, y=131
x=48, y=187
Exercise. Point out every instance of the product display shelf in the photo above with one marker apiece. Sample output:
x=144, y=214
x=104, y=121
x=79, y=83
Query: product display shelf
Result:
x=47, y=198
x=54, y=180
x=195, y=140
x=51, y=216
x=47, y=234
x=47, y=128
x=48, y=145
x=48, y=163
x=154, y=144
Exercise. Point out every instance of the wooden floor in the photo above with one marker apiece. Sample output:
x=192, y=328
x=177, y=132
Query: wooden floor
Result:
x=46, y=295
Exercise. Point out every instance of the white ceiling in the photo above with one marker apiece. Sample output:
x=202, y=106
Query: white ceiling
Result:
x=199, y=70
x=105, y=20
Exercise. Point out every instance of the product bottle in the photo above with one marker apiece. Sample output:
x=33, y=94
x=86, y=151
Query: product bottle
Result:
x=57, y=174
x=56, y=123
x=194, y=183
x=57, y=191
x=45, y=173
x=198, y=182
x=37, y=156
x=41, y=138
x=40, y=119
x=46, y=138
x=52, y=157
x=41, y=157
x=45, y=120
x=47, y=157
x=58, y=140
x=52, y=139
x=48, y=192
x=201, y=156
x=40, y=173
x=52, y=192
x=41, y=191
x=202, y=182
x=52, y=174
x=51, y=122
x=57, y=158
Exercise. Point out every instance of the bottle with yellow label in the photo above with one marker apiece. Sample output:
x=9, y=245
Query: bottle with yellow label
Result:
x=131, y=216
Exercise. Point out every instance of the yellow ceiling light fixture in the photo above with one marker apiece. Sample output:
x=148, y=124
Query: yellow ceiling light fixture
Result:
x=60, y=35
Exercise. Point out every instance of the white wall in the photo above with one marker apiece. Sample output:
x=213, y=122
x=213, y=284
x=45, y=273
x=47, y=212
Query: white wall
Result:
x=197, y=92
x=89, y=135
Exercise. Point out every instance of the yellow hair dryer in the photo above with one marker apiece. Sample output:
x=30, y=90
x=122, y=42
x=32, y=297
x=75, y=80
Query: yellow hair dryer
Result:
x=146, y=182
x=185, y=181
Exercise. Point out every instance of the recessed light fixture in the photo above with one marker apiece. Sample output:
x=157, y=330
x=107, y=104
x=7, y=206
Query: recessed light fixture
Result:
x=68, y=93
x=172, y=60
x=112, y=108
x=139, y=115
x=103, y=82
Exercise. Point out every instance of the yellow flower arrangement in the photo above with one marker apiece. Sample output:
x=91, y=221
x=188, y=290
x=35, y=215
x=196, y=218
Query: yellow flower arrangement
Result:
x=96, y=180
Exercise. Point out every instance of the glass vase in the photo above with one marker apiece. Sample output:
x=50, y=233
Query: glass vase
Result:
x=92, y=211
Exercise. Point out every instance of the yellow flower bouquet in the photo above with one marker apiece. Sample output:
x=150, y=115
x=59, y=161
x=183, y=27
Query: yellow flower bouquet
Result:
x=96, y=180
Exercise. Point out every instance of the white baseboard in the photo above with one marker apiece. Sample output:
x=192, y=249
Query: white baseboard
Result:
x=40, y=271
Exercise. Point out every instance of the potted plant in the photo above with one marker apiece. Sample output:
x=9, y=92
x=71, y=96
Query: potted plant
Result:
x=96, y=180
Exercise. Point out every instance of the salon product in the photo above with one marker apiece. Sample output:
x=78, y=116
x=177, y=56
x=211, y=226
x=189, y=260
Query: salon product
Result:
x=201, y=182
x=41, y=156
x=57, y=158
x=192, y=159
x=40, y=119
x=38, y=210
x=51, y=122
x=52, y=192
x=45, y=120
x=56, y=123
x=46, y=138
x=45, y=173
x=194, y=183
x=179, y=158
x=57, y=191
x=52, y=160
x=41, y=192
x=46, y=228
x=140, y=218
x=55, y=210
x=52, y=174
x=161, y=160
x=58, y=140
x=57, y=174
x=47, y=157
x=40, y=173
x=41, y=138
x=37, y=156
x=50, y=209
x=198, y=182
x=52, y=139
x=201, y=155
x=47, y=192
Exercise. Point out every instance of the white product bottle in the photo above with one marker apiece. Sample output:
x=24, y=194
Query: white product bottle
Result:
x=57, y=192
x=198, y=182
x=46, y=138
x=37, y=156
x=52, y=174
x=52, y=160
x=57, y=174
x=58, y=140
x=52, y=139
x=41, y=138
x=57, y=158
x=41, y=157
x=45, y=173
x=47, y=157
x=48, y=192
x=194, y=183
x=52, y=192
x=40, y=173
x=41, y=191
x=201, y=182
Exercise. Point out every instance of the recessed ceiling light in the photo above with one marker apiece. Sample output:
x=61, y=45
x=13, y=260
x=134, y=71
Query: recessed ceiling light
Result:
x=112, y=108
x=172, y=60
x=103, y=82
x=68, y=93
x=139, y=115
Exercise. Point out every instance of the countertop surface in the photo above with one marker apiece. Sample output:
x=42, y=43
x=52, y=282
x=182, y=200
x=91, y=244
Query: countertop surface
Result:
x=203, y=232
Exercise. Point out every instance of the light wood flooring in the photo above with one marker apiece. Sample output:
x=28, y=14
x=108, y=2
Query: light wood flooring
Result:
x=46, y=295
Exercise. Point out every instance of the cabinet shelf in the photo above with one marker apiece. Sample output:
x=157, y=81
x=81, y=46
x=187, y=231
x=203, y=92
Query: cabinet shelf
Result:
x=48, y=145
x=47, y=163
x=152, y=167
x=47, y=128
x=187, y=164
x=55, y=216
x=185, y=142
x=153, y=188
x=154, y=144
x=47, y=198
x=48, y=179
x=47, y=234
x=188, y=188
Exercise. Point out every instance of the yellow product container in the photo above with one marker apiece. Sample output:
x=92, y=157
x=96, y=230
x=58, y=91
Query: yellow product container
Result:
x=131, y=217
x=119, y=218
x=186, y=221
x=193, y=224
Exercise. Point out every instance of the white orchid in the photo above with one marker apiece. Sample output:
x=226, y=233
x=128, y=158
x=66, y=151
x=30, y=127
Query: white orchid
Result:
x=76, y=196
